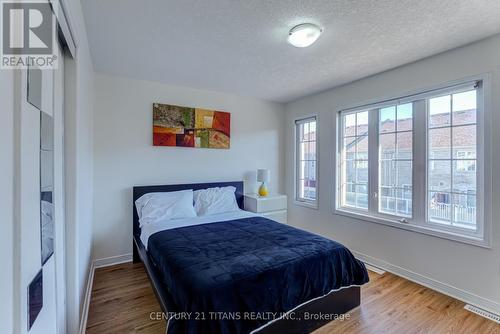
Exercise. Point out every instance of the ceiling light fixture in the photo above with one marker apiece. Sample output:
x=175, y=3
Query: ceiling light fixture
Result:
x=303, y=35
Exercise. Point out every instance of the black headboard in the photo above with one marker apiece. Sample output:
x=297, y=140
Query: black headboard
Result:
x=139, y=191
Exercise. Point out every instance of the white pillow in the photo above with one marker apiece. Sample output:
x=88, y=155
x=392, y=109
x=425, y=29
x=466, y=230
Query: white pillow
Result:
x=166, y=205
x=215, y=200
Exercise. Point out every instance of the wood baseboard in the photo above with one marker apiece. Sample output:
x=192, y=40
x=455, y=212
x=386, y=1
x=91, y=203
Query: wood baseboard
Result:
x=97, y=263
x=86, y=301
x=112, y=260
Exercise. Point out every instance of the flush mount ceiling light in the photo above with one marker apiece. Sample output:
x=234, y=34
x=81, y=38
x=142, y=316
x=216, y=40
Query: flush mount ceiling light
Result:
x=303, y=35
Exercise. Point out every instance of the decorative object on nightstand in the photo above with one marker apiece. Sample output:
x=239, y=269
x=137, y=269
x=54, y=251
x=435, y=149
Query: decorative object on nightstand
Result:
x=263, y=175
x=273, y=206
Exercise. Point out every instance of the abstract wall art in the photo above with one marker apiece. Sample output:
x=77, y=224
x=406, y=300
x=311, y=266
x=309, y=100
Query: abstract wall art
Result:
x=190, y=127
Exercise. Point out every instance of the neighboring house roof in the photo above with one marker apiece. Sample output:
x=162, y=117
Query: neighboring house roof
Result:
x=464, y=136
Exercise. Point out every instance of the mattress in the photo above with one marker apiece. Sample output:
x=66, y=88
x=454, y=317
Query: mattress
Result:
x=235, y=276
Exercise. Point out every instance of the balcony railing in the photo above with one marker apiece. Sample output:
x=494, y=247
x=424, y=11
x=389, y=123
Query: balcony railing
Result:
x=464, y=216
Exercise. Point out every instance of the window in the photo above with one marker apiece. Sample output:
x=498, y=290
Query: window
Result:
x=396, y=159
x=451, y=137
x=354, y=161
x=464, y=161
x=437, y=131
x=306, y=161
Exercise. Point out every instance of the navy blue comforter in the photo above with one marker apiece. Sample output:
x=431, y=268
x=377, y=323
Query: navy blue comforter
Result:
x=219, y=273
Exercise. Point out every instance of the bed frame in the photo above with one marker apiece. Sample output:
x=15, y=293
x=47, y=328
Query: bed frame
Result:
x=337, y=302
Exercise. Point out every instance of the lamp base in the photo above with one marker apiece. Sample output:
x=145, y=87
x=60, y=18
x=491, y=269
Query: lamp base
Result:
x=263, y=192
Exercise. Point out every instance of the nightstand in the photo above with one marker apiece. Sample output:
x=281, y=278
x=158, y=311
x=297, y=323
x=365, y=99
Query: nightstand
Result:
x=272, y=206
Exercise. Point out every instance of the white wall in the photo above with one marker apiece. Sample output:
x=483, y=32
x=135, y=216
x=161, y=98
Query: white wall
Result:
x=469, y=272
x=79, y=80
x=7, y=200
x=125, y=157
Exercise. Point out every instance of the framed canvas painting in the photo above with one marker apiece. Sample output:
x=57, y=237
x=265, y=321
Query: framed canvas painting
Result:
x=190, y=127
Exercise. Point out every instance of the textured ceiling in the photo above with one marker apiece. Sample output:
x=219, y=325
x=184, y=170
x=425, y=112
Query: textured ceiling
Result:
x=239, y=46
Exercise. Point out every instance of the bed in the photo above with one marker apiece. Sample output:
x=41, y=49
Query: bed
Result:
x=242, y=273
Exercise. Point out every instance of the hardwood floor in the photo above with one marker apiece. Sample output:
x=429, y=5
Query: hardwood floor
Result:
x=122, y=301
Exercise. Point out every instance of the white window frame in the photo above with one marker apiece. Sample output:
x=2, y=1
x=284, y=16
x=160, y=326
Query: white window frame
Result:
x=419, y=222
x=313, y=204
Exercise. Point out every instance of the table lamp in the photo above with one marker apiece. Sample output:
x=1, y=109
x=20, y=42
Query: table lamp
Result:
x=263, y=175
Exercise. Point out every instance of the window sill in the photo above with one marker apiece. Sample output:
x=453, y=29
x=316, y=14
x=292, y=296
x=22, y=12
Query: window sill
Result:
x=471, y=240
x=306, y=204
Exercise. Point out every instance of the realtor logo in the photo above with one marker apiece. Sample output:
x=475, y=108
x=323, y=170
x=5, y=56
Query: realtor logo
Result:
x=28, y=34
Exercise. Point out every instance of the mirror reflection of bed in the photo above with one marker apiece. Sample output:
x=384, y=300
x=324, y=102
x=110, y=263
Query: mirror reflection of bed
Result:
x=46, y=186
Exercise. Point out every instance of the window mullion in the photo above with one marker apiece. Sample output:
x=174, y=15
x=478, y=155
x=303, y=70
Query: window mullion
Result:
x=373, y=161
x=297, y=160
x=420, y=162
x=482, y=191
x=340, y=163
